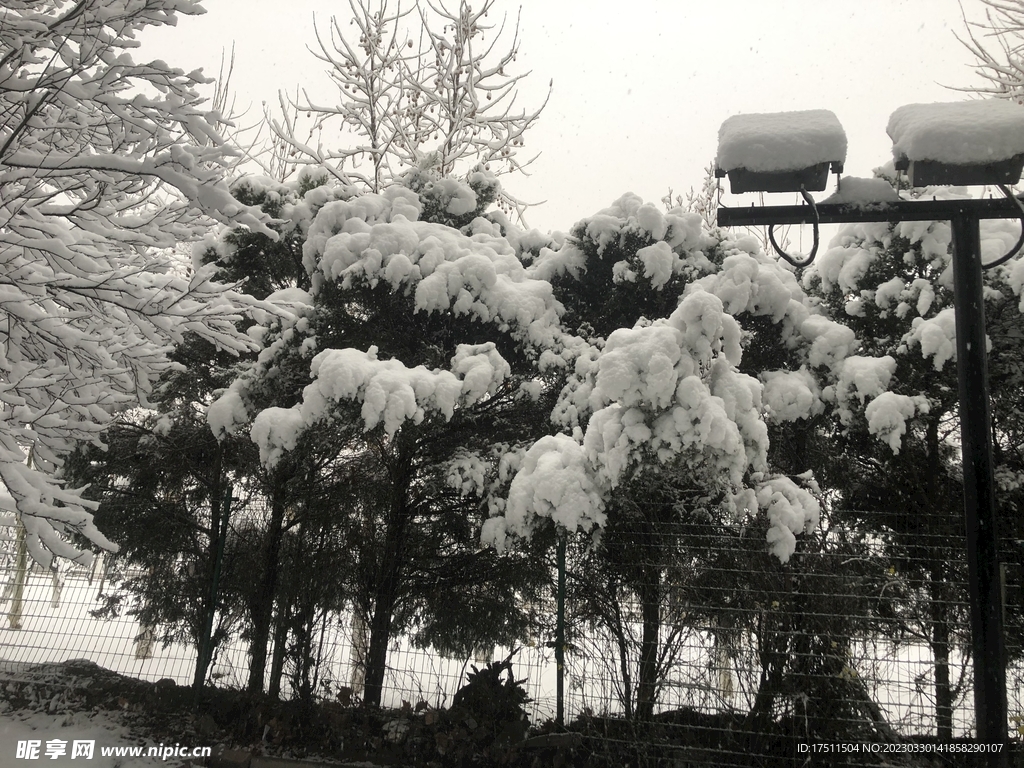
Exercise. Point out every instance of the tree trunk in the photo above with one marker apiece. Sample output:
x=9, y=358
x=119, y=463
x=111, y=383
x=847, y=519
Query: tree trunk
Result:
x=219, y=509
x=620, y=639
x=21, y=568
x=647, y=682
x=360, y=640
x=940, y=654
x=388, y=573
x=773, y=653
x=280, y=646
x=304, y=625
x=263, y=605
x=939, y=599
x=385, y=599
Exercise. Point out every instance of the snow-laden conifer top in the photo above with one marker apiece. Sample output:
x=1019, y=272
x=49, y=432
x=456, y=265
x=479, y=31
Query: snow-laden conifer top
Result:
x=958, y=133
x=780, y=141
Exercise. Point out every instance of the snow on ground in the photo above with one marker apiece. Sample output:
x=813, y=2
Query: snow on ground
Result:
x=958, y=133
x=58, y=733
x=780, y=141
x=50, y=635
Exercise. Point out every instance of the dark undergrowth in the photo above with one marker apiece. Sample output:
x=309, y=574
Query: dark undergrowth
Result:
x=485, y=726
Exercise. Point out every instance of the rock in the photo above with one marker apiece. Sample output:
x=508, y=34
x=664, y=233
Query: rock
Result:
x=206, y=725
x=395, y=731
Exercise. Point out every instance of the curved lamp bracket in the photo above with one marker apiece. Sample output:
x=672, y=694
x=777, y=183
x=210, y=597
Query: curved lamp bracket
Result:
x=1020, y=242
x=814, y=249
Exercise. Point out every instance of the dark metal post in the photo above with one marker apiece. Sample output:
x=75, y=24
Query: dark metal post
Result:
x=560, y=635
x=979, y=485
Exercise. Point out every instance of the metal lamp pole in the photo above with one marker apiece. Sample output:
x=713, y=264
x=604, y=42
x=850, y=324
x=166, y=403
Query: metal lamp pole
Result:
x=979, y=483
x=984, y=571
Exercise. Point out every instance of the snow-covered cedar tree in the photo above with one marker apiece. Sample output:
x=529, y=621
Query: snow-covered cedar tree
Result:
x=255, y=264
x=657, y=426
x=134, y=480
x=273, y=270
x=887, y=368
x=425, y=351
x=105, y=165
x=655, y=381
x=425, y=87
x=160, y=481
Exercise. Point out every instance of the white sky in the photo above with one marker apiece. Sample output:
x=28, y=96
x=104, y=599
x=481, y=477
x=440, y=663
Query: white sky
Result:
x=641, y=87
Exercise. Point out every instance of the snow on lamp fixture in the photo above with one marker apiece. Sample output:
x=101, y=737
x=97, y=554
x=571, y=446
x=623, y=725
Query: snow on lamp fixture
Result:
x=782, y=152
x=963, y=143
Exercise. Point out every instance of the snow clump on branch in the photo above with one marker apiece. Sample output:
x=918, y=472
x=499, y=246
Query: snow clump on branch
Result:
x=376, y=240
x=660, y=392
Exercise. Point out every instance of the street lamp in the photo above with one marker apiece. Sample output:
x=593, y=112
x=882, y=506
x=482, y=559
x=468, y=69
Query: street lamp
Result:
x=962, y=144
x=782, y=152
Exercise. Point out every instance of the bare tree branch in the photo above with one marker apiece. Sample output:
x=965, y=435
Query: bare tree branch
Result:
x=442, y=103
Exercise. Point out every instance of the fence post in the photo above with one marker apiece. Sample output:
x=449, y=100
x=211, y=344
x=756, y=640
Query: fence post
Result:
x=988, y=648
x=21, y=568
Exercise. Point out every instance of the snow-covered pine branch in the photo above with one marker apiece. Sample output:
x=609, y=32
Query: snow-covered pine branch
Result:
x=104, y=162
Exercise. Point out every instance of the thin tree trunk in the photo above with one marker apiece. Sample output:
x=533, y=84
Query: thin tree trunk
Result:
x=360, y=640
x=940, y=654
x=264, y=603
x=219, y=509
x=620, y=638
x=647, y=682
x=280, y=645
x=938, y=599
x=388, y=579
x=773, y=653
x=20, y=579
x=377, y=652
x=57, y=586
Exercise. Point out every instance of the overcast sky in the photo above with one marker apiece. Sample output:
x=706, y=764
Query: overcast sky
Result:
x=642, y=86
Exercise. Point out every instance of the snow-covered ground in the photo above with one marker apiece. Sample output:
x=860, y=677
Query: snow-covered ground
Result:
x=50, y=634
x=57, y=630
x=54, y=739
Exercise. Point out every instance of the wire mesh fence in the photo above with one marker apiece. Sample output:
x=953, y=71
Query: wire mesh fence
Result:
x=55, y=615
x=686, y=643
x=698, y=645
